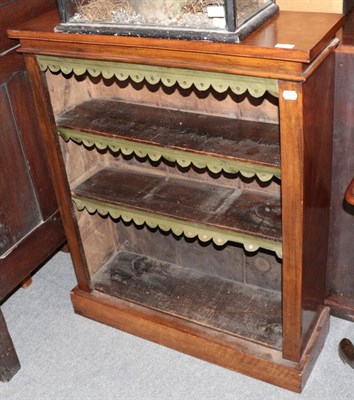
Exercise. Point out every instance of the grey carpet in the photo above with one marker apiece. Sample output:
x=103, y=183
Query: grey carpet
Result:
x=65, y=356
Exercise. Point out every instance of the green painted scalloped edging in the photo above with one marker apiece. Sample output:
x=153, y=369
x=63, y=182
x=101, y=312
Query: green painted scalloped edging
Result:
x=178, y=227
x=185, y=78
x=182, y=158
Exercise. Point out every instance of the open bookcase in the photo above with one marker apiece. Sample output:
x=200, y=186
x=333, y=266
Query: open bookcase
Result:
x=194, y=186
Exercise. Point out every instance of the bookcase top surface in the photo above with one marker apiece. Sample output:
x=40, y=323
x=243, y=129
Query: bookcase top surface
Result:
x=289, y=36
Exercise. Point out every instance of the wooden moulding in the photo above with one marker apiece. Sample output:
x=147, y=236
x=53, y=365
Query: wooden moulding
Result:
x=185, y=78
x=263, y=58
x=227, y=351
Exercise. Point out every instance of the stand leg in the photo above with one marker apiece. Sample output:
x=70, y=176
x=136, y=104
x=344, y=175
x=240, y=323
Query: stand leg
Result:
x=9, y=363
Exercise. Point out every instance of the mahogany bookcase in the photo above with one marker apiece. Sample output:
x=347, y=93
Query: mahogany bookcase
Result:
x=193, y=180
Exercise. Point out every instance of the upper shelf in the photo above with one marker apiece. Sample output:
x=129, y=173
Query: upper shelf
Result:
x=217, y=143
x=185, y=206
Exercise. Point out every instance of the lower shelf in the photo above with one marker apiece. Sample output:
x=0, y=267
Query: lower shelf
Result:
x=227, y=306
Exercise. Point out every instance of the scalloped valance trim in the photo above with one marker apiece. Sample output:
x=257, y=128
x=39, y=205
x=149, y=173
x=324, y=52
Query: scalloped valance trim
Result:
x=185, y=78
x=182, y=158
x=190, y=230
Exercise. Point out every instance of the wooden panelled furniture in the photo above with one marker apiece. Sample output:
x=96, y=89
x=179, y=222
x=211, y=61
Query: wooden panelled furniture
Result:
x=192, y=180
x=30, y=224
x=340, y=277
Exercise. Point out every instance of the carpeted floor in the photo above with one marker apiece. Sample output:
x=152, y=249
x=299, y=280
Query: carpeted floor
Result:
x=65, y=356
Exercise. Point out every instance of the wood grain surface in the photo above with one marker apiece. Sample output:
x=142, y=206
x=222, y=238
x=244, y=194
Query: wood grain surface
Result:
x=206, y=299
x=236, y=210
x=258, y=55
x=56, y=167
x=196, y=133
x=340, y=281
x=306, y=186
x=19, y=208
x=225, y=350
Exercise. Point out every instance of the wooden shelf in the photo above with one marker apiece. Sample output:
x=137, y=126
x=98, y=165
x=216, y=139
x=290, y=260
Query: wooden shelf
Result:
x=228, y=306
x=192, y=207
x=217, y=143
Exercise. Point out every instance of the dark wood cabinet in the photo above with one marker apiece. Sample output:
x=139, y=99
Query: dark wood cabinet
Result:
x=340, y=279
x=30, y=224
